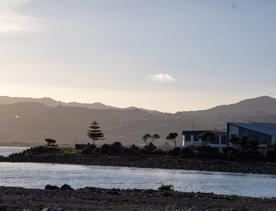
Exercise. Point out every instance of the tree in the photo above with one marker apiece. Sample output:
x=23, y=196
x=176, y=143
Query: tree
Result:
x=50, y=142
x=207, y=138
x=235, y=141
x=155, y=137
x=246, y=149
x=247, y=145
x=146, y=137
x=149, y=148
x=244, y=144
x=95, y=132
x=271, y=153
x=172, y=137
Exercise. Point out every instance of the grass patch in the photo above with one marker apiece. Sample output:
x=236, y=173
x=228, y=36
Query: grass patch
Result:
x=66, y=151
x=166, y=188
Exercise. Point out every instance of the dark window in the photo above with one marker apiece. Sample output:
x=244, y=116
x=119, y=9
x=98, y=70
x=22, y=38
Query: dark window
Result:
x=223, y=139
x=215, y=140
x=196, y=138
x=187, y=137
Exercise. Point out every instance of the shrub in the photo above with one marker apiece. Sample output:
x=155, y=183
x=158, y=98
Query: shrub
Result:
x=116, y=147
x=133, y=149
x=105, y=148
x=271, y=157
x=230, y=153
x=207, y=152
x=250, y=155
x=166, y=188
x=90, y=149
x=66, y=151
x=235, y=154
x=40, y=150
x=149, y=148
x=187, y=152
x=159, y=152
x=36, y=151
x=175, y=151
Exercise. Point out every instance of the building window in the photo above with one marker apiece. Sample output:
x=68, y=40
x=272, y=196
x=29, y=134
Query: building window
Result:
x=215, y=140
x=187, y=137
x=223, y=139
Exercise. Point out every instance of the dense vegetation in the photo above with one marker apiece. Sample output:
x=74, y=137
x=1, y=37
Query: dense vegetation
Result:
x=241, y=153
x=229, y=153
x=241, y=149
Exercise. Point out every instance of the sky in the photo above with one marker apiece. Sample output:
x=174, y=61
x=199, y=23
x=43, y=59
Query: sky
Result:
x=167, y=55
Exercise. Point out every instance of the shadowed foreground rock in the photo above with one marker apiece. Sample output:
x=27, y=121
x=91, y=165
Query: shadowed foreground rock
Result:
x=103, y=199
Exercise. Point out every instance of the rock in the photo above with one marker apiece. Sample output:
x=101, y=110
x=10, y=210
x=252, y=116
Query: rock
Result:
x=149, y=192
x=4, y=208
x=51, y=187
x=113, y=192
x=166, y=194
x=66, y=187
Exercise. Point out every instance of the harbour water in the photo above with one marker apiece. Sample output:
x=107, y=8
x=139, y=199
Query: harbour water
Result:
x=37, y=175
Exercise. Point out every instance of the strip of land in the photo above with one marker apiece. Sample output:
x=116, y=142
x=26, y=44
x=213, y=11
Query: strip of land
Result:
x=12, y=198
x=139, y=159
x=162, y=162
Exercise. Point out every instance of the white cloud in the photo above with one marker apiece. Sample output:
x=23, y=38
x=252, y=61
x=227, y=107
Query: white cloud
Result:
x=161, y=77
x=11, y=20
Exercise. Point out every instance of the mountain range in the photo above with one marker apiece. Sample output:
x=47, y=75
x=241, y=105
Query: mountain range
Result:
x=31, y=120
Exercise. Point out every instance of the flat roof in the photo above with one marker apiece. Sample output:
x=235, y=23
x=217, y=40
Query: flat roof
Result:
x=261, y=127
x=202, y=131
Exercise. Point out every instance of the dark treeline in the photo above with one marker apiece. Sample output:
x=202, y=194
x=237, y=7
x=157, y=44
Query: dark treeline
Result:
x=243, y=152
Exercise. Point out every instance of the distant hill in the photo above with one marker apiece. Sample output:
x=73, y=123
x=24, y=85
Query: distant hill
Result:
x=53, y=103
x=30, y=120
x=259, y=106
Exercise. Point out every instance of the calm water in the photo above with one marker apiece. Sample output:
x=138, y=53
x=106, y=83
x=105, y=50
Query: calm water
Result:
x=37, y=175
x=6, y=150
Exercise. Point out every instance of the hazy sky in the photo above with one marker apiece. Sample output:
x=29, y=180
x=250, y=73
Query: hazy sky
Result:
x=158, y=54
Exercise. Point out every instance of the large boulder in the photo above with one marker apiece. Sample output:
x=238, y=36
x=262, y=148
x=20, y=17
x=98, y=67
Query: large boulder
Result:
x=51, y=187
x=66, y=187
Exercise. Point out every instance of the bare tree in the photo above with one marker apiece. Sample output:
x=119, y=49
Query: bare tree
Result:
x=172, y=137
x=146, y=137
x=155, y=137
x=50, y=142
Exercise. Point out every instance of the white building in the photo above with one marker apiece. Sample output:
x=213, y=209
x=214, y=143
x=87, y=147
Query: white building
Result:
x=192, y=138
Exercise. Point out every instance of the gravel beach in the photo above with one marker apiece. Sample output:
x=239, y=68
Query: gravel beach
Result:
x=12, y=198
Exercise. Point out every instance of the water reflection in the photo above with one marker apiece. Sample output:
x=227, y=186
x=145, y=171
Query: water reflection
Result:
x=37, y=175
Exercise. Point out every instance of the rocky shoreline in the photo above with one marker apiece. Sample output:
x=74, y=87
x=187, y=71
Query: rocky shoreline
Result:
x=163, y=162
x=12, y=198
